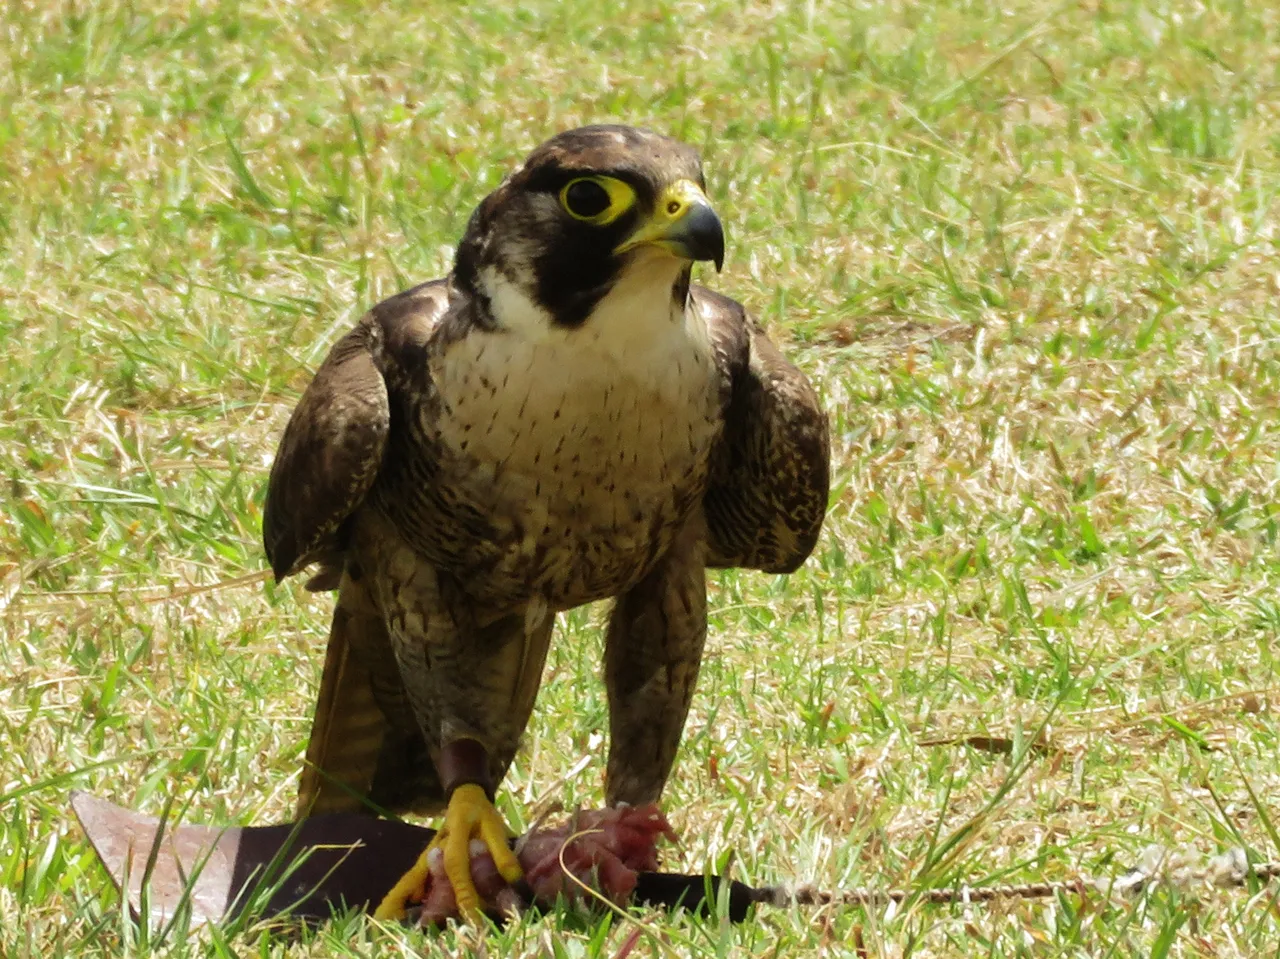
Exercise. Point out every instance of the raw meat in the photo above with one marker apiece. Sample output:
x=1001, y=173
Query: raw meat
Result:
x=605, y=849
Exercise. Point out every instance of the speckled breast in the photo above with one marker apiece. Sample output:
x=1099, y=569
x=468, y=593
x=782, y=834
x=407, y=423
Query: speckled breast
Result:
x=537, y=474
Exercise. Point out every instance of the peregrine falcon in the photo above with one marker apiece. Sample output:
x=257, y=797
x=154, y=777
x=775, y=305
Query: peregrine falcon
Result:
x=564, y=418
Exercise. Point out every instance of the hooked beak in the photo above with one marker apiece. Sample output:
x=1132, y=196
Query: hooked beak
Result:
x=683, y=224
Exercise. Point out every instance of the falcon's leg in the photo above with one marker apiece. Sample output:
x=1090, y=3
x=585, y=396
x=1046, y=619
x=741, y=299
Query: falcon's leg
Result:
x=471, y=677
x=652, y=653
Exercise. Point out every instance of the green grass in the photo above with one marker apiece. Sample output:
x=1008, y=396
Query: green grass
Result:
x=1030, y=251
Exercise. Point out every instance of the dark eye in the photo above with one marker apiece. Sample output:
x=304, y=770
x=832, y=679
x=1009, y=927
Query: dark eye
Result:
x=598, y=200
x=586, y=199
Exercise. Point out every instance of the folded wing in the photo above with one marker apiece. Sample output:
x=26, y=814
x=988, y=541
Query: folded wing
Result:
x=329, y=455
x=768, y=491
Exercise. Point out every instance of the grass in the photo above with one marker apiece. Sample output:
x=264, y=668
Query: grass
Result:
x=1028, y=250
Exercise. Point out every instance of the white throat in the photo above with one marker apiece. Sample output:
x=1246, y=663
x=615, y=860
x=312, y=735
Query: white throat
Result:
x=545, y=413
x=636, y=323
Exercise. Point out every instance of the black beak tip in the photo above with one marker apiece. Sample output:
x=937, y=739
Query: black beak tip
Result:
x=704, y=236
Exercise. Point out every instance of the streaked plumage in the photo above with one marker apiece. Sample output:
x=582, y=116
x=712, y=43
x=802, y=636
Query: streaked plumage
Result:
x=564, y=418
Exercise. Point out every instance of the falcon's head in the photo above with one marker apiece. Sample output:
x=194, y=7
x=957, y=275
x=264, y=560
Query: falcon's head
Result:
x=593, y=211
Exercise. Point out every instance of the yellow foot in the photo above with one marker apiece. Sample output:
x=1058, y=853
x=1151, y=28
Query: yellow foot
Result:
x=470, y=815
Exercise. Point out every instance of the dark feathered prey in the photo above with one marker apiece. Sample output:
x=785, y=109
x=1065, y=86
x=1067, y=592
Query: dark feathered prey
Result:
x=564, y=418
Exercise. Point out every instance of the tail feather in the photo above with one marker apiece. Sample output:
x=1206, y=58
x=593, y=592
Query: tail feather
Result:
x=366, y=751
x=347, y=732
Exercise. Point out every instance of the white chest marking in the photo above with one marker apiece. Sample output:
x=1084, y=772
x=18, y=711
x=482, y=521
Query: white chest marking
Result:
x=625, y=403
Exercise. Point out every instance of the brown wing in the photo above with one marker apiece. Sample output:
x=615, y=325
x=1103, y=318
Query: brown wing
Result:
x=329, y=455
x=365, y=741
x=332, y=447
x=768, y=491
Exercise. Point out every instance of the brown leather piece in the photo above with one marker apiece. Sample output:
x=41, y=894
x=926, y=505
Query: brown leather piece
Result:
x=320, y=865
x=307, y=870
x=464, y=761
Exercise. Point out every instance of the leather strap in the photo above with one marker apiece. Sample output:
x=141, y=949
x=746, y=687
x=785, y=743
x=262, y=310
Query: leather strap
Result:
x=332, y=863
x=464, y=761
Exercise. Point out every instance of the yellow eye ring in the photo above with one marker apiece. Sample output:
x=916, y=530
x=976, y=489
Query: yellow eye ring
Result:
x=598, y=200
